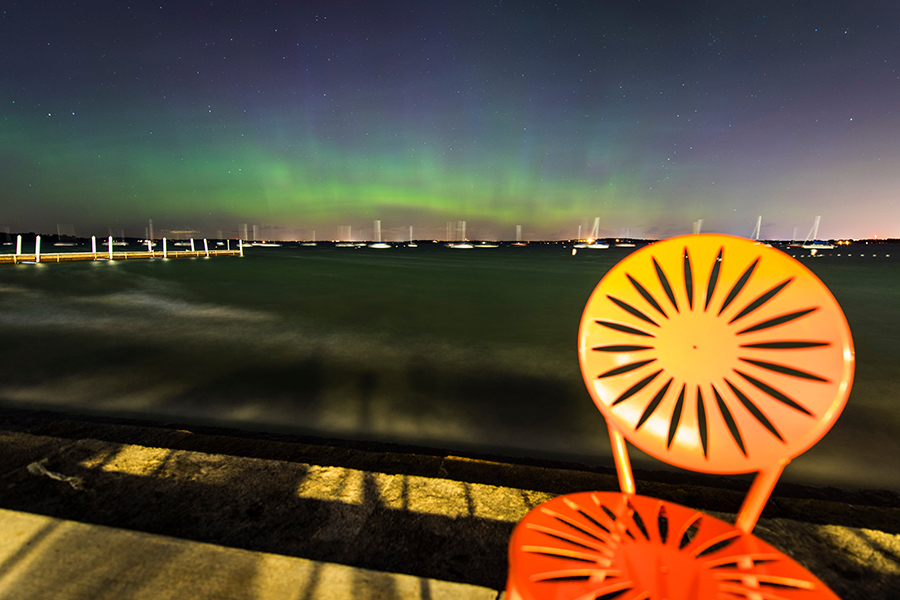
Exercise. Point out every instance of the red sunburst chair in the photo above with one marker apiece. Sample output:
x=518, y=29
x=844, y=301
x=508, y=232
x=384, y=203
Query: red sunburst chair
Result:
x=715, y=354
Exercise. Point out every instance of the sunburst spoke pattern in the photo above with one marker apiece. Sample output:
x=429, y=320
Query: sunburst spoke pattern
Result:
x=780, y=396
x=633, y=311
x=624, y=328
x=729, y=421
x=738, y=286
x=701, y=422
x=783, y=369
x=653, y=404
x=786, y=345
x=718, y=389
x=625, y=368
x=713, y=279
x=688, y=279
x=621, y=348
x=754, y=410
x=676, y=417
x=664, y=282
x=761, y=300
x=704, y=557
x=781, y=320
x=637, y=387
x=647, y=296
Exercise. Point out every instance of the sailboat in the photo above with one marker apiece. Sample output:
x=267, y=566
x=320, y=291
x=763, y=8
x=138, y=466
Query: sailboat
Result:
x=519, y=241
x=378, y=243
x=60, y=235
x=814, y=244
x=462, y=243
x=411, y=243
x=312, y=243
x=626, y=241
x=349, y=237
x=592, y=242
x=755, y=235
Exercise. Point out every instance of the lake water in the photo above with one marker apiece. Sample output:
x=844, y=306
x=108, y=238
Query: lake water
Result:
x=468, y=350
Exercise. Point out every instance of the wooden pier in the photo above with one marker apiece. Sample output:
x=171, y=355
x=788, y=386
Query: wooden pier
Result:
x=105, y=256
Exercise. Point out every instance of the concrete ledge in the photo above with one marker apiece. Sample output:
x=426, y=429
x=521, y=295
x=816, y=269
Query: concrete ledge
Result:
x=42, y=557
x=428, y=516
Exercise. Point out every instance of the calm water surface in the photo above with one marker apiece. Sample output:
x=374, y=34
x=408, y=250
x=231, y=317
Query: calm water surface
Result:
x=459, y=349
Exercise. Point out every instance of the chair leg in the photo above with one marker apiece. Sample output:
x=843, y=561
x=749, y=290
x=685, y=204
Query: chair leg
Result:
x=623, y=464
x=756, y=499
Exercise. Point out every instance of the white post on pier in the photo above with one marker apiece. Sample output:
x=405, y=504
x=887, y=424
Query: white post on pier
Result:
x=206, y=247
x=37, y=249
x=94, y=245
x=18, y=245
x=149, y=246
x=109, y=245
x=165, y=251
x=192, y=244
x=241, y=246
x=228, y=244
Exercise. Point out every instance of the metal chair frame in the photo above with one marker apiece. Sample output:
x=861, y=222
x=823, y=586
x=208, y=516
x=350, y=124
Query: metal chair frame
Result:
x=715, y=354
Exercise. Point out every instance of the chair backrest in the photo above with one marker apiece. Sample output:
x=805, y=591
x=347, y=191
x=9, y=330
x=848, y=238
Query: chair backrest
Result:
x=716, y=354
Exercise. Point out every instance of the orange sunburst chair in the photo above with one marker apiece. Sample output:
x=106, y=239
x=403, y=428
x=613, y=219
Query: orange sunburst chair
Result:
x=715, y=354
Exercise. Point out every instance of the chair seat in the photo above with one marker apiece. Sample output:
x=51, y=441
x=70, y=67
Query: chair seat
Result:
x=599, y=545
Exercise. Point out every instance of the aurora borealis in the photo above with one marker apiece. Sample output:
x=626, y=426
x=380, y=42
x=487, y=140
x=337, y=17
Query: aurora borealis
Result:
x=309, y=116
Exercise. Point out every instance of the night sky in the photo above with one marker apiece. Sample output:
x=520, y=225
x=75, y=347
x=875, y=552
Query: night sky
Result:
x=309, y=116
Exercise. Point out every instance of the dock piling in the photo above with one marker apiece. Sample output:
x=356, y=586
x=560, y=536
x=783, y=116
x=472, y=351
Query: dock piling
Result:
x=18, y=245
x=192, y=244
x=206, y=247
x=109, y=244
x=165, y=251
x=94, y=245
x=37, y=249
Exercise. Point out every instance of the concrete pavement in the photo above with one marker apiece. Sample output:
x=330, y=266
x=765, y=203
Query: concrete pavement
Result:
x=102, y=509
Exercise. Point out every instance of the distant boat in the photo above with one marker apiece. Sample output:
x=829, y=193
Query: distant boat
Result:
x=755, y=235
x=378, y=243
x=814, y=234
x=411, y=243
x=592, y=242
x=312, y=243
x=625, y=243
x=60, y=235
x=347, y=244
x=265, y=245
x=486, y=245
x=462, y=244
x=519, y=241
